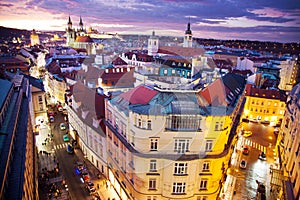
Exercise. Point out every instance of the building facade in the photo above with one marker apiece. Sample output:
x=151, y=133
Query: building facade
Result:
x=18, y=167
x=288, y=146
x=167, y=144
x=264, y=105
x=85, y=124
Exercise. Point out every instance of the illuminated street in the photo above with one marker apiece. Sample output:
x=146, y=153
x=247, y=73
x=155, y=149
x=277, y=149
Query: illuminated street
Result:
x=245, y=181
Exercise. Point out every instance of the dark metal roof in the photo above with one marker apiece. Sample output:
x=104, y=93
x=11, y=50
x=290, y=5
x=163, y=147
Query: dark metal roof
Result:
x=5, y=87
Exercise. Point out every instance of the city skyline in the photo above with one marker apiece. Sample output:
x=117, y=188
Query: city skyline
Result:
x=260, y=20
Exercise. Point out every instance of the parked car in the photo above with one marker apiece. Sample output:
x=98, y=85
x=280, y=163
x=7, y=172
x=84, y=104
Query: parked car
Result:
x=243, y=164
x=51, y=113
x=90, y=186
x=247, y=133
x=59, y=108
x=66, y=138
x=70, y=149
x=80, y=165
x=245, y=120
x=51, y=119
x=62, y=126
x=246, y=150
x=262, y=156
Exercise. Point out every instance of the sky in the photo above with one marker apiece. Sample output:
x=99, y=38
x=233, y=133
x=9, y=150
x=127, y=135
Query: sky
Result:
x=263, y=20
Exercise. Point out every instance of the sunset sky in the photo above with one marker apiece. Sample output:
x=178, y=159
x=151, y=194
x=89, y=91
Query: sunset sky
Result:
x=264, y=20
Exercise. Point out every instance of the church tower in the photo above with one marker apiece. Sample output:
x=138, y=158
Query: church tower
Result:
x=71, y=34
x=188, y=37
x=34, y=38
x=81, y=30
x=153, y=44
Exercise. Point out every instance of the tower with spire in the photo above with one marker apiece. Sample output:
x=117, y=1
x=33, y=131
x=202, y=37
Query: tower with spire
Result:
x=71, y=33
x=81, y=31
x=188, y=37
x=153, y=44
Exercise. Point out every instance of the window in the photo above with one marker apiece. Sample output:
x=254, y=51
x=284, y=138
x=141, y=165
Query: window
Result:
x=140, y=123
x=183, y=122
x=149, y=124
x=205, y=167
x=203, y=184
x=221, y=126
x=132, y=138
x=181, y=145
x=152, y=184
x=153, y=144
x=217, y=126
x=117, y=124
x=180, y=168
x=40, y=98
x=109, y=116
x=208, y=145
x=165, y=72
x=153, y=166
x=178, y=188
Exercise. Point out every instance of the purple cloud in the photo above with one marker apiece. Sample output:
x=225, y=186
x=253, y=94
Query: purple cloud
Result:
x=207, y=15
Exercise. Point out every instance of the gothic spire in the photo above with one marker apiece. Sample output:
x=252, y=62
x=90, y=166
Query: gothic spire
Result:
x=80, y=22
x=188, y=30
x=69, y=22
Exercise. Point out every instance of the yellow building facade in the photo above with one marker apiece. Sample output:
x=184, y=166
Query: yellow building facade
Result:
x=264, y=105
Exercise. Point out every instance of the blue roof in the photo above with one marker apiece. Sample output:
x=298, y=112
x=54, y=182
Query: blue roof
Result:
x=5, y=86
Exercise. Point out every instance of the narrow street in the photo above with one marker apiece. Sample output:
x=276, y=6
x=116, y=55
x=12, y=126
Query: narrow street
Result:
x=245, y=181
x=54, y=155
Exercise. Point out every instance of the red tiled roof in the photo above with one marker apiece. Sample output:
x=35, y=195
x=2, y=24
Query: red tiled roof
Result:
x=84, y=39
x=253, y=91
x=181, y=51
x=139, y=95
x=215, y=93
x=118, y=61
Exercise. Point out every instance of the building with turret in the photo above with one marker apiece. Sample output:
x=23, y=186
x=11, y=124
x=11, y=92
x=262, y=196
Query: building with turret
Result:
x=153, y=44
x=188, y=37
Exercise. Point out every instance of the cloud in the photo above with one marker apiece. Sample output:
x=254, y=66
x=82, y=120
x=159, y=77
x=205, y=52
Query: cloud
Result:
x=6, y=5
x=232, y=16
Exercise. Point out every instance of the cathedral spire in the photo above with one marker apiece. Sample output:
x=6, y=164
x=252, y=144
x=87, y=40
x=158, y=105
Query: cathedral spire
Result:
x=80, y=22
x=188, y=30
x=69, y=23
